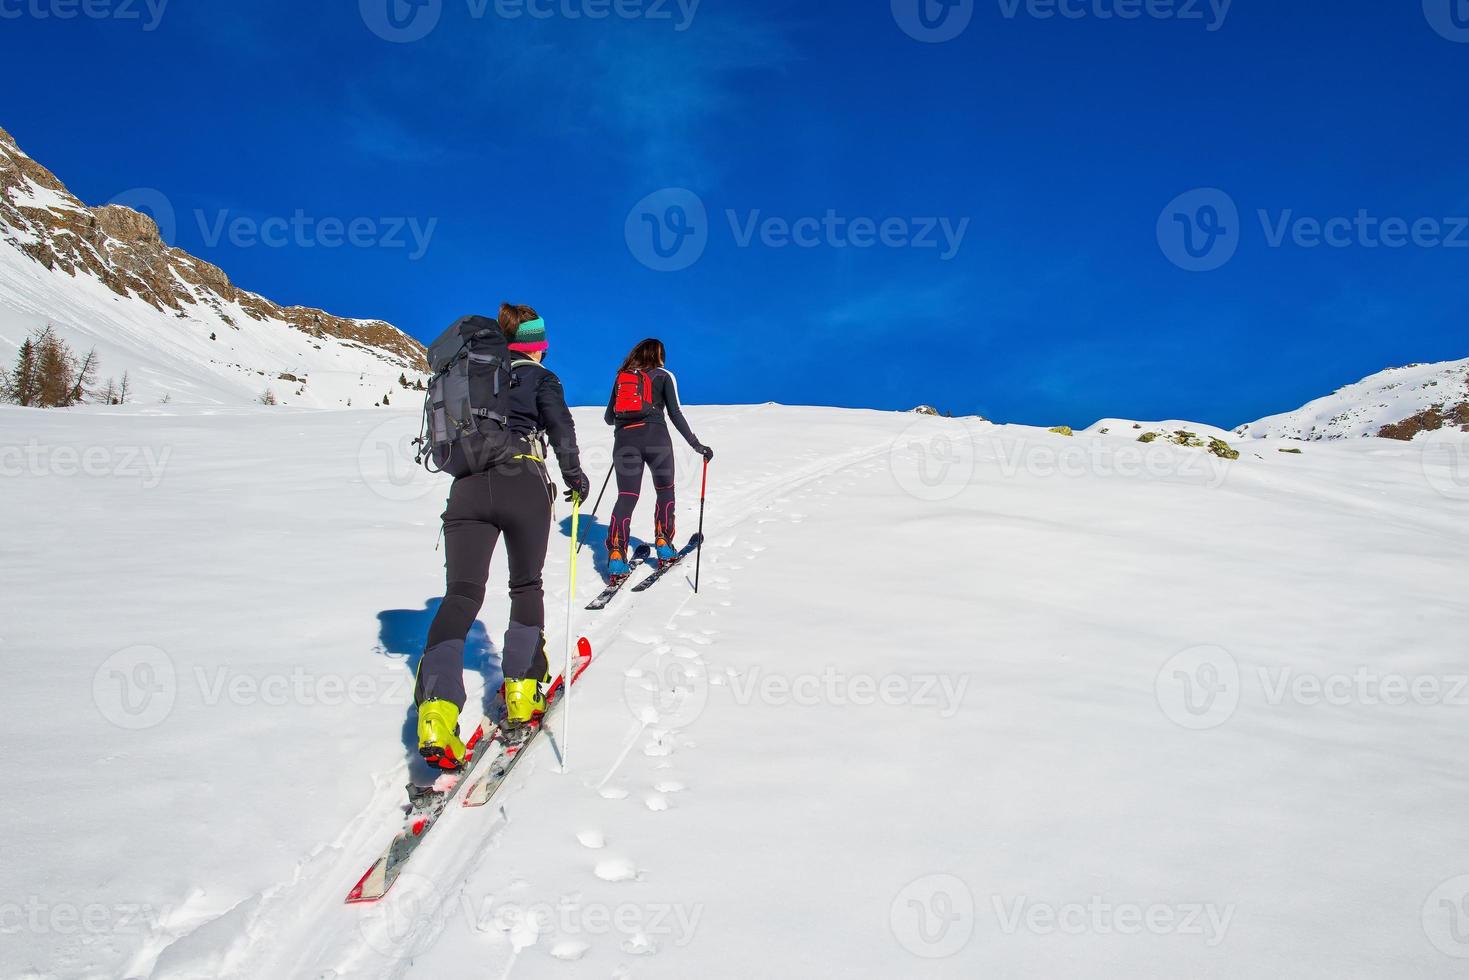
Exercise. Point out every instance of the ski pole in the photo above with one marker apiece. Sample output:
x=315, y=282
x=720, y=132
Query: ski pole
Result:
x=598, y=505
x=699, y=555
x=570, y=606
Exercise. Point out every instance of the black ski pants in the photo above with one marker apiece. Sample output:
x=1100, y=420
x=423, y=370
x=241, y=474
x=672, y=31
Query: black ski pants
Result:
x=513, y=501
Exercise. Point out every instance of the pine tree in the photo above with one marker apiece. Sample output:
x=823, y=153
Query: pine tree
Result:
x=16, y=385
x=19, y=386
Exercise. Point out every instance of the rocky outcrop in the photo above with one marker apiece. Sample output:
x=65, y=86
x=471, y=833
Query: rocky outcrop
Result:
x=124, y=250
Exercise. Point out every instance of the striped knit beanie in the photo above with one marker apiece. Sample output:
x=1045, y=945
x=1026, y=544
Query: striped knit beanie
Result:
x=530, y=337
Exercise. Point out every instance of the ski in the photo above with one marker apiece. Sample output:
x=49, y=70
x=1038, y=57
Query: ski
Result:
x=499, y=769
x=641, y=555
x=426, y=806
x=688, y=549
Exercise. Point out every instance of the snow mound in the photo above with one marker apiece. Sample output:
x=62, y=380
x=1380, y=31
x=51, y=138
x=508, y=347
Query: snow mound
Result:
x=1364, y=408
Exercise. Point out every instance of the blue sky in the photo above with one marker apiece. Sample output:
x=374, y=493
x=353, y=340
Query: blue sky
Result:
x=537, y=156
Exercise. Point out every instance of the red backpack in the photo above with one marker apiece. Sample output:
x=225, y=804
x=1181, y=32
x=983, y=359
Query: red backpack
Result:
x=633, y=395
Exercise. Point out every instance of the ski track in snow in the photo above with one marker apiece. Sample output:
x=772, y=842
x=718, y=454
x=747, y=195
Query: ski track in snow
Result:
x=308, y=914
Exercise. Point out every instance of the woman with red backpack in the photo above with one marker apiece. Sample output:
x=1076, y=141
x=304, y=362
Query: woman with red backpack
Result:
x=644, y=397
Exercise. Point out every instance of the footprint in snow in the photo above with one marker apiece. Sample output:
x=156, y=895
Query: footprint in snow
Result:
x=616, y=869
x=613, y=793
x=570, y=949
x=640, y=944
x=656, y=803
x=670, y=786
x=592, y=839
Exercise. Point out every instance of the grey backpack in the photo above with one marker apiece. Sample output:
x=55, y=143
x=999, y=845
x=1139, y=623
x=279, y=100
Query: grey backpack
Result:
x=466, y=415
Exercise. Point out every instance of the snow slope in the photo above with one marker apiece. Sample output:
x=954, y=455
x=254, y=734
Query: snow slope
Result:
x=166, y=355
x=175, y=324
x=1362, y=409
x=957, y=700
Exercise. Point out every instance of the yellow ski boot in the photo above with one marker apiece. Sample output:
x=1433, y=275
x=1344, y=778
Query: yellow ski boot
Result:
x=524, y=702
x=438, y=735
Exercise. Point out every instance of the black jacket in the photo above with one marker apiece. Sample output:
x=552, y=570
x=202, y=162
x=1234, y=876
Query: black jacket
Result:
x=665, y=398
x=538, y=405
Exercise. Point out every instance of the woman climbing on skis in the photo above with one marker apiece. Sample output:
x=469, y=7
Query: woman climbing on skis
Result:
x=644, y=397
x=510, y=497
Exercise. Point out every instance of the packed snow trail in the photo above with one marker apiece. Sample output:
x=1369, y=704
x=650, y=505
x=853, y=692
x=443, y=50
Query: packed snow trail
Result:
x=380, y=940
x=923, y=720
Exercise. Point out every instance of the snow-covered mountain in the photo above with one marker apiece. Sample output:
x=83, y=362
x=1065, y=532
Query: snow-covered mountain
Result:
x=104, y=278
x=1397, y=403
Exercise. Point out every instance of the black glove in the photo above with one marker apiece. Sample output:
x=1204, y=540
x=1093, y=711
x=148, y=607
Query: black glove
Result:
x=578, y=486
x=707, y=453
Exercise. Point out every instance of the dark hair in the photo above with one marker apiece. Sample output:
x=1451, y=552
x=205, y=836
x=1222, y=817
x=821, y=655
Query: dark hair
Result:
x=646, y=356
x=512, y=316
